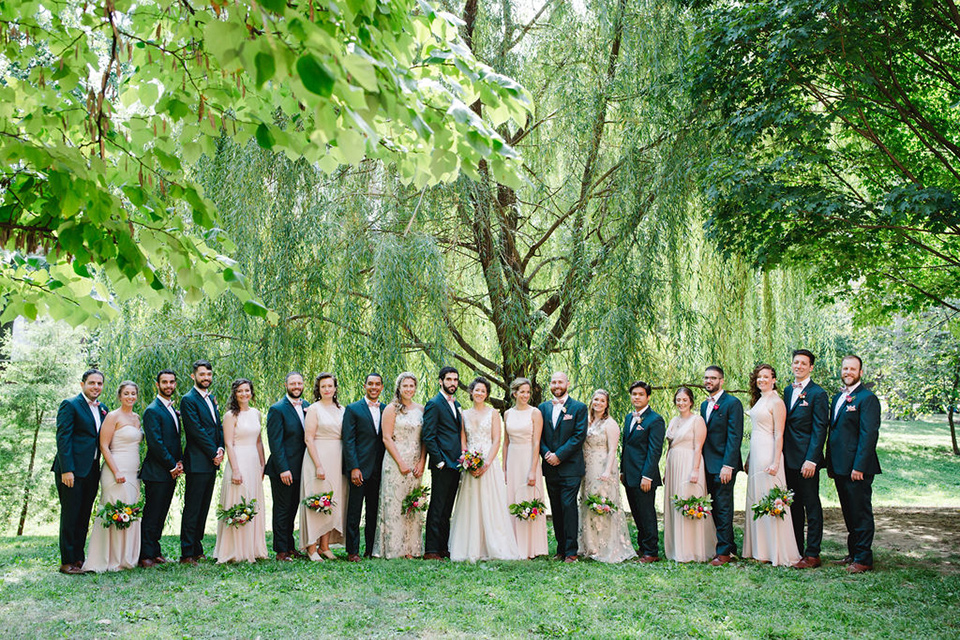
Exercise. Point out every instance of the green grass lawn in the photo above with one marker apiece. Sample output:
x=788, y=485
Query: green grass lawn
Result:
x=911, y=595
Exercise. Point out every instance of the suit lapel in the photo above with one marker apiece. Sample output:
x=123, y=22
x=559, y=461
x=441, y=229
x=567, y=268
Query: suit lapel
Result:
x=84, y=410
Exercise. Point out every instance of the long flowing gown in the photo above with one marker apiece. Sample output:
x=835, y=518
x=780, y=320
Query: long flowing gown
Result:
x=531, y=534
x=769, y=538
x=112, y=549
x=246, y=542
x=400, y=534
x=685, y=539
x=480, y=528
x=314, y=524
x=602, y=537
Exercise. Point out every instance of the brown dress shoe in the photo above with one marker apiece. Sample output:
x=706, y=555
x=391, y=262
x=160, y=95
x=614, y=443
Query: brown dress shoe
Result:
x=720, y=560
x=432, y=556
x=856, y=567
x=146, y=563
x=161, y=560
x=570, y=559
x=71, y=569
x=808, y=562
x=284, y=557
x=649, y=559
x=298, y=555
x=353, y=557
x=190, y=560
x=844, y=561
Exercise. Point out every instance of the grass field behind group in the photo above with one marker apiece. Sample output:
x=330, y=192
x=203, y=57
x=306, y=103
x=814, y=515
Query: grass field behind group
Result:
x=913, y=594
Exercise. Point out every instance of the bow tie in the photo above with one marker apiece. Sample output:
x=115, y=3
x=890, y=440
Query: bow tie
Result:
x=93, y=403
x=373, y=405
x=712, y=400
x=297, y=402
x=556, y=401
x=797, y=385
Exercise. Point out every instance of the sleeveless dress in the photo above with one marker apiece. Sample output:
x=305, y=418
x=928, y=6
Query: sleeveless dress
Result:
x=330, y=449
x=112, y=549
x=400, y=535
x=769, y=539
x=684, y=539
x=603, y=538
x=247, y=542
x=480, y=528
x=531, y=534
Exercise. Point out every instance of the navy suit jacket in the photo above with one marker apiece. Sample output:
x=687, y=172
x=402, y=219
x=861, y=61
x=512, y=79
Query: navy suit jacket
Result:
x=806, y=429
x=78, y=448
x=362, y=445
x=852, y=443
x=285, y=436
x=441, y=432
x=163, y=443
x=642, y=448
x=204, y=435
x=565, y=438
x=724, y=435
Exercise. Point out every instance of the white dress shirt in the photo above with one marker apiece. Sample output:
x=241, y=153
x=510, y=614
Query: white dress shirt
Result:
x=95, y=410
x=375, y=414
x=798, y=392
x=173, y=413
x=558, y=408
x=713, y=401
x=842, y=400
x=298, y=407
x=206, y=396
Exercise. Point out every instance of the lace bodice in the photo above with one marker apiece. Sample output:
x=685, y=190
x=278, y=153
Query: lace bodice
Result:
x=478, y=428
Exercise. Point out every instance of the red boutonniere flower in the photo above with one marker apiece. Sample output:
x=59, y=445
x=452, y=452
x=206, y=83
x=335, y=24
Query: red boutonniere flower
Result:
x=716, y=406
x=563, y=408
x=103, y=411
x=802, y=396
x=849, y=398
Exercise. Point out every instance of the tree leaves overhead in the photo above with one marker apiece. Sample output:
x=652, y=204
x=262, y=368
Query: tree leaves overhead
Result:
x=101, y=105
x=837, y=143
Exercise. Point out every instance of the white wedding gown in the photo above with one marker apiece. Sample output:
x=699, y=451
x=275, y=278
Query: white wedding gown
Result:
x=480, y=528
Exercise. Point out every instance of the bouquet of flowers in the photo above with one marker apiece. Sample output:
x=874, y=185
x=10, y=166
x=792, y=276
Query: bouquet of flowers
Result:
x=470, y=461
x=416, y=501
x=239, y=514
x=528, y=509
x=693, y=507
x=321, y=502
x=774, y=503
x=120, y=514
x=600, y=505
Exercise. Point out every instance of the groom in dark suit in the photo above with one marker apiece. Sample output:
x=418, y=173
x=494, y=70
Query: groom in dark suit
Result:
x=808, y=414
x=362, y=461
x=442, y=422
x=561, y=446
x=721, y=457
x=201, y=459
x=161, y=467
x=285, y=421
x=76, y=465
x=852, y=461
x=642, y=445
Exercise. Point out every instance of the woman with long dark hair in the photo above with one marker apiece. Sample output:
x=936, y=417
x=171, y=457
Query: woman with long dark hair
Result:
x=322, y=470
x=242, y=478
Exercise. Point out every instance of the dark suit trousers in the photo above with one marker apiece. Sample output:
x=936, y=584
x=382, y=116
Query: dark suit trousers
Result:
x=856, y=503
x=722, y=495
x=644, y=510
x=157, y=496
x=76, y=503
x=196, y=505
x=286, y=505
x=564, y=492
x=444, y=484
x=806, y=510
x=368, y=493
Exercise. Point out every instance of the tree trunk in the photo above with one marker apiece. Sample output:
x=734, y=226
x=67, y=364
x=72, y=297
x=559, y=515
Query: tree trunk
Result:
x=953, y=430
x=29, y=477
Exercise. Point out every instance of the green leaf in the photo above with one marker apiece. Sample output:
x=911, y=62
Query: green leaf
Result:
x=264, y=138
x=315, y=76
x=254, y=308
x=266, y=67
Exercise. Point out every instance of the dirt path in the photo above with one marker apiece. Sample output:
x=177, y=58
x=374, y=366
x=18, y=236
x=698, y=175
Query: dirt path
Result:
x=913, y=532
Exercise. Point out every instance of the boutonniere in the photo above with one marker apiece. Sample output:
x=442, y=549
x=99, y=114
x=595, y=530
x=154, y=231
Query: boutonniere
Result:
x=177, y=411
x=212, y=399
x=716, y=406
x=103, y=411
x=802, y=396
x=563, y=408
x=849, y=398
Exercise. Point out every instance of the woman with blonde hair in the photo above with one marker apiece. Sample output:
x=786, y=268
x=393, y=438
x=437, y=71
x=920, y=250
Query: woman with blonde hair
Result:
x=399, y=533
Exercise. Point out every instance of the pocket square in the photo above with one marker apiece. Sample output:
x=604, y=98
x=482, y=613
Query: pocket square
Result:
x=568, y=417
x=851, y=407
x=804, y=404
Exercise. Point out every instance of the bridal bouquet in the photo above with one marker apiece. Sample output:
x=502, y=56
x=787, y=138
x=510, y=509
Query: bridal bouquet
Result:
x=120, y=514
x=321, y=502
x=774, y=503
x=528, y=509
x=239, y=514
x=470, y=461
x=600, y=505
x=692, y=507
x=416, y=501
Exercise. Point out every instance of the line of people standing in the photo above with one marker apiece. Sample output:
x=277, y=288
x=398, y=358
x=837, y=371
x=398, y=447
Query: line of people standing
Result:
x=371, y=455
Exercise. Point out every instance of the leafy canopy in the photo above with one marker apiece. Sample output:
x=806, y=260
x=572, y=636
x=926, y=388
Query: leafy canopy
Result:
x=105, y=107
